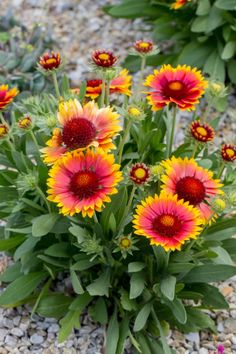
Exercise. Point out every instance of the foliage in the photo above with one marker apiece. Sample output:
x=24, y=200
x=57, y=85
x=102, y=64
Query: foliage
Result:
x=201, y=33
x=20, y=49
x=136, y=290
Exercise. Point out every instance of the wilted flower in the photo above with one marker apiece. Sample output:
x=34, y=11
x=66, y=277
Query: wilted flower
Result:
x=182, y=86
x=83, y=181
x=104, y=58
x=228, y=152
x=167, y=221
x=6, y=95
x=143, y=46
x=202, y=132
x=25, y=123
x=3, y=130
x=192, y=183
x=50, y=61
x=139, y=173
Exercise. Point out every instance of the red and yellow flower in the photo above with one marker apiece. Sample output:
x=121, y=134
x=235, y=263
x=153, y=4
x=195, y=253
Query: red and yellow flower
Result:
x=104, y=58
x=182, y=86
x=82, y=127
x=178, y=4
x=50, y=61
x=167, y=221
x=7, y=95
x=81, y=182
x=192, y=183
x=139, y=173
x=142, y=46
x=202, y=132
x=120, y=84
x=228, y=152
x=3, y=130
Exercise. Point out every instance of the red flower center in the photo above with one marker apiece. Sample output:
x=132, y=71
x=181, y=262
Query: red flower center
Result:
x=78, y=133
x=191, y=190
x=167, y=225
x=84, y=184
x=94, y=83
x=174, y=89
x=2, y=94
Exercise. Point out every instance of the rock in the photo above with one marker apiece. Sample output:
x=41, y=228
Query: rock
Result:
x=54, y=328
x=16, y=321
x=193, y=337
x=36, y=339
x=8, y=323
x=203, y=351
x=10, y=341
x=230, y=325
x=220, y=327
x=227, y=290
x=17, y=332
x=3, y=333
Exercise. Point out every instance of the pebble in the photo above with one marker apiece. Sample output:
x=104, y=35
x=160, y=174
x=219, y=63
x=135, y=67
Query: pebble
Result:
x=193, y=337
x=10, y=341
x=17, y=332
x=36, y=339
x=203, y=351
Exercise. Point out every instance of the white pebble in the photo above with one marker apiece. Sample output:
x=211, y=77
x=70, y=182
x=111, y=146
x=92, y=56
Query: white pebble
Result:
x=36, y=339
x=17, y=332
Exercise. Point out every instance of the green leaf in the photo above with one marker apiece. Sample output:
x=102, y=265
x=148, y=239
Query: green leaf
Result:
x=208, y=273
x=25, y=247
x=100, y=311
x=53, y=305
x=142, y=317
x=21, y=288
x=215, y=19
x=203, y=7
x=231, y=70
x=128, y=9
x=83, y=264
x=112, y=334
x=168, y=287
x=176, y=268
x=54, y=261
x=199, y=24
x=226, y=4
x=61, y=249
x=124, y=332
x=222, y=256
x=229, y=50
x=178, y=309
x=126, y=302
x=211, y=296
x=82, y=91
x=215, y=66
x=100, y=286
x=79, y=232
x=137, y=283
x=136, y=267
x=77, y=286
x=72, y=318
x=11, y=242
x=11, y=273
x=43, y=224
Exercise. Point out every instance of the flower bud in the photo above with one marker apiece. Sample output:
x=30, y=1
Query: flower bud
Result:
x=218, y=205
x=25, y=123
x=50, y=61
x=3, y=130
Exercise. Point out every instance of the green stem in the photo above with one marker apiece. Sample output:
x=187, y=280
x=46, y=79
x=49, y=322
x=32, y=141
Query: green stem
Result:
x=171, y=136
x=44, y=198
x=165, y=345
x=122, y=144
x=2, y=119
x=195, y=150
x=140, y=81
x=95, y=218
x=208, y=110
x=54, y=76
x=127, y=208
x=107, y=93
x=103, y=90
x=221, y=170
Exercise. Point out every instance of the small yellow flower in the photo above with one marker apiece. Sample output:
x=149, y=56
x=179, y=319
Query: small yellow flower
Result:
x=3, y=130
x=25, y=123
x=133, y=111
x=125, y=243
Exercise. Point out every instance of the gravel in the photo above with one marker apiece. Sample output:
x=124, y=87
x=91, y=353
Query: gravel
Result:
x=79, y=27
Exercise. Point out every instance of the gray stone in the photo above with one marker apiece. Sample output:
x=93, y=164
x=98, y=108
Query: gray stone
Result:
x=3, y=333
x=203, y=351
x=54, y=328
x=16, y=321
x=8, y=323
x=193, y=337
x=230, y=325
x=17, y=332
x=220, y=327
x=36, y=339
x=10, y=341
